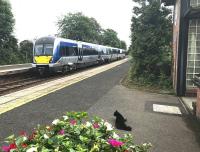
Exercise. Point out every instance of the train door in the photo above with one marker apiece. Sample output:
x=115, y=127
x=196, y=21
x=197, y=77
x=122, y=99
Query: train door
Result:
x=80, y=54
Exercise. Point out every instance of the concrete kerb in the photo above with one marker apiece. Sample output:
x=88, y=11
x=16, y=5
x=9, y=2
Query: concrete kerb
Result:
x=186, y=108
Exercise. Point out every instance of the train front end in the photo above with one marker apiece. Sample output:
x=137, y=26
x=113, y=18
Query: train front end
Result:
x=43, y=54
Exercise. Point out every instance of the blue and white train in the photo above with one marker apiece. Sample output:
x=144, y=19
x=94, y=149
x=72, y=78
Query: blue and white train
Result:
x=51, y=54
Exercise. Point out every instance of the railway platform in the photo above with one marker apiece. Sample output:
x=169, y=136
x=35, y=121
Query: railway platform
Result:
x=14, y=68
x=16, y=99
x=156, y=118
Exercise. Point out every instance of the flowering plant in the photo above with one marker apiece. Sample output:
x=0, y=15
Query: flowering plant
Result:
x=74, y=133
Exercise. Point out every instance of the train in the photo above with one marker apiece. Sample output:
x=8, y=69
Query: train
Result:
x=54, y=54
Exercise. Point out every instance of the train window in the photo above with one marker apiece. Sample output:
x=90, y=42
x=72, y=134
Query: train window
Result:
x=90, y=51
x=39, y=49
x=75, y=51
x=85, y=51
x=68, y=51
x=48, y=49
x=108, y=51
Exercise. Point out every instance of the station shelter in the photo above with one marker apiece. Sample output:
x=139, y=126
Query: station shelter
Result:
x=186, y=44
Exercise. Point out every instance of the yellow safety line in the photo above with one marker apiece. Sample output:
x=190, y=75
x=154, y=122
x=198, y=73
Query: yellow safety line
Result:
x=28, y=98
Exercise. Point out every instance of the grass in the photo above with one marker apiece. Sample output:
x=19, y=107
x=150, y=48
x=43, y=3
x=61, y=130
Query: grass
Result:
x=131, y=84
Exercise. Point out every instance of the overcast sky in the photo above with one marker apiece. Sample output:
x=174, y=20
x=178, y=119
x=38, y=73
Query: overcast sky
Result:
x=35, y=18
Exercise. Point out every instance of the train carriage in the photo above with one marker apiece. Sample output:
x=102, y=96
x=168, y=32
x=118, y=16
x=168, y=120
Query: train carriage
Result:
x=52, y=54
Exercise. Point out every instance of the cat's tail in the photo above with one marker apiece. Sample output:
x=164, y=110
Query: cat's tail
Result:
x=128, y=128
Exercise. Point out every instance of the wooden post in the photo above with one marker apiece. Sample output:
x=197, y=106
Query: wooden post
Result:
x=198, y=104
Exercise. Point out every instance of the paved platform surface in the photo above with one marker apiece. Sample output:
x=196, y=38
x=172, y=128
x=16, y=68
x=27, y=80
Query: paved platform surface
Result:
x=167, y=126
x=15, y=68
x=168, y=132
x=187, y=101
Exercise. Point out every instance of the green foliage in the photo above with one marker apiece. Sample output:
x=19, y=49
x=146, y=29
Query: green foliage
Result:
x=123, y=45
x=6, y=20
x=26, y=51
x=150, y=42
x=8, y=43
x=74, y=133
x=109, y=38
x=79, y=27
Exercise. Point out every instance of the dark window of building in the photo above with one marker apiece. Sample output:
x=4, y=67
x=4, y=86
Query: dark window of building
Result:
x=193, y=51
x=194, y=3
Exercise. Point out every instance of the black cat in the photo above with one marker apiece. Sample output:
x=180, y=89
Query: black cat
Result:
x=120, y=122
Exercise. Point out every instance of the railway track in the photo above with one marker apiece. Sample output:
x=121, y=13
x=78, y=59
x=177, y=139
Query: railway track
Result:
x=16, y=82
x=9, y=86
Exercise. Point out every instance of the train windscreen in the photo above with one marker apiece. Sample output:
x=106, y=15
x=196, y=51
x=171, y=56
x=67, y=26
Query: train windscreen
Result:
x=44, y=50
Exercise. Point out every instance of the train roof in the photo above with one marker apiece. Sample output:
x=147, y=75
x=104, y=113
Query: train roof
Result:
x=52, y=39
x=46, y=39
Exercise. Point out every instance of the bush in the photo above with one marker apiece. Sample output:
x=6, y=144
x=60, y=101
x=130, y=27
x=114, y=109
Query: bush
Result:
x=74, y=133
x=151, y=34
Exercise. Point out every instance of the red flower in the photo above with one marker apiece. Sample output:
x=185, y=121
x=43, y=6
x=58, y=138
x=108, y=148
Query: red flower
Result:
x=23, y=133
x=13, y=146
x=31, y=137
x=24, y=145
x=96, y=125
x=72, y=122
x=115, y=143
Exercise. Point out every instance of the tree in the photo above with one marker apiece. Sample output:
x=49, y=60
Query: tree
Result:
x=109, y=38
x=123, y=45
x=150, y=41
x=8, y=43
x=26, y=51
x=79, y=27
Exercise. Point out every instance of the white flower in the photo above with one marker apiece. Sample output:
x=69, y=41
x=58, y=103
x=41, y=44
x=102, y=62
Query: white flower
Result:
x=55, y=122
x=24, y=138
x=132, y=146
x=32, y=149
x=109, y=126
x=115, y=135
x=45, y=136
x=102, y=121
x=65, y=117
x=88, y=124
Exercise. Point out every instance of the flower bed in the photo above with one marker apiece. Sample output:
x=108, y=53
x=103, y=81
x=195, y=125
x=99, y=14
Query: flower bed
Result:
x=74, y=133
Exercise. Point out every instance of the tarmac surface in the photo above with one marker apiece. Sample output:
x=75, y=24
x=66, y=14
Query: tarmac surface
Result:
x=101, y=95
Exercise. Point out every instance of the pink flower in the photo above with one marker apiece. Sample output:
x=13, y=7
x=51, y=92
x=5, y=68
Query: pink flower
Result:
x=96, y=125
x=72, y=122
x=5, y=148
x=61, y=132
x=115, y=143
x=8, y=148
